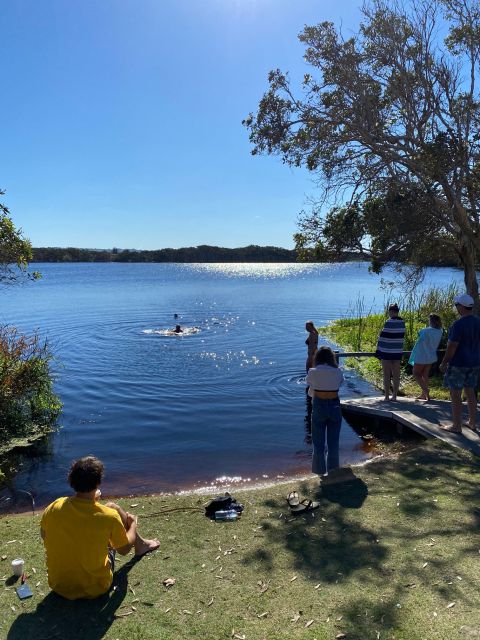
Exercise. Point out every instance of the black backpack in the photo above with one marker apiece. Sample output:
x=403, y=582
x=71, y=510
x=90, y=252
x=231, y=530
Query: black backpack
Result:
x=222, y=503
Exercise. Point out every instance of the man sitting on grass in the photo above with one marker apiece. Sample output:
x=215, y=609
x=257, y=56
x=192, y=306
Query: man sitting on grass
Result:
x=81, y=535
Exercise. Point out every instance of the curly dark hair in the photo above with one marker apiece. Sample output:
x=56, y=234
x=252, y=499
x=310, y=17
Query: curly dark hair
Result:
x=86, y=474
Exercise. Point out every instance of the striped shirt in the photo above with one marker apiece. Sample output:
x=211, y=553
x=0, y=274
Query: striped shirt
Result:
x=390, y=340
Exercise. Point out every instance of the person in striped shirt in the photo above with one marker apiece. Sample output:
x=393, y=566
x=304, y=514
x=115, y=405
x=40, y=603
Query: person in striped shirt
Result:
x=390, y=350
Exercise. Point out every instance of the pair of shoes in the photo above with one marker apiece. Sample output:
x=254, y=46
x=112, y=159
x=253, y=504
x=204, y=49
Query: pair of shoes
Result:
x=452, y=429
x=300, y=507
x=474, y=428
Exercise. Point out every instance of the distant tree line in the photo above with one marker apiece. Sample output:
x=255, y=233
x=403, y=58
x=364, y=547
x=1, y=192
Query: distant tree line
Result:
x=203, y=253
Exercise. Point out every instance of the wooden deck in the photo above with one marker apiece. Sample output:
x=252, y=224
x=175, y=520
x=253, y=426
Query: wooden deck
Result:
x=426, y=418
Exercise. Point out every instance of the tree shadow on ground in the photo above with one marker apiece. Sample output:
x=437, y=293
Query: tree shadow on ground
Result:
x=408, y=524
x=55, y=617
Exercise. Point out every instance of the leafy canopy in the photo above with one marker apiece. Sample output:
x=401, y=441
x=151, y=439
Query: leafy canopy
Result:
x=388, y=122
x=15, y=250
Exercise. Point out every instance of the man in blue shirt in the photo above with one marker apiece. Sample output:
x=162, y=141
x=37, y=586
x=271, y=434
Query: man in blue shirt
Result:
x=461, y=363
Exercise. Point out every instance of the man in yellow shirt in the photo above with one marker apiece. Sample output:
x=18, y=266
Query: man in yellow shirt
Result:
x=81, y=535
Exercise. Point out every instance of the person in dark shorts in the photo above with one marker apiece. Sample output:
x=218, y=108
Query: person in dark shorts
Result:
x=461, y=363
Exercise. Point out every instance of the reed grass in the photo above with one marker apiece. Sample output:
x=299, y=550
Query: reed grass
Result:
x=359, y=331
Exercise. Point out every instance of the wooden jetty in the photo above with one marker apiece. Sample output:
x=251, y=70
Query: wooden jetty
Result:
x=427, y=418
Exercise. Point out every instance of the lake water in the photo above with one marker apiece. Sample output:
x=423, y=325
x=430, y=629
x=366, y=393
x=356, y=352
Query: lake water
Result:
x=164, y=412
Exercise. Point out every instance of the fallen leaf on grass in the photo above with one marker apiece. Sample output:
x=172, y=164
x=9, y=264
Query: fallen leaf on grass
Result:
x=317, y=586
x=135, y=504
x=167, y=610
x=12, y=608
x=123, y=615
x=262, y=615
x=238, y=636
x=132, y=590
x=168, y=582
x=209, y=604
x=424, y=565
x=452, y=604
x=293, y=579
x=296, y=617
x=309, y=623
x=187, y=612
x=263, y=586
x=10, y=542
x=134, y=608
x=341, y=635
x=4, y=557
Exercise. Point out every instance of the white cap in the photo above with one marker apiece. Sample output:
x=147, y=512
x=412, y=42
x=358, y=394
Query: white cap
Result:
x=465, y=300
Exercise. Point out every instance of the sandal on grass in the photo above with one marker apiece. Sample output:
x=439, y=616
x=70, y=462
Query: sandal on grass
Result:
x=304, y=507
x=293, y=499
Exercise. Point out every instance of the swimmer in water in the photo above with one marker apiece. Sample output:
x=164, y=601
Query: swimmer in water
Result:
x=175, y=315
x=178, y=329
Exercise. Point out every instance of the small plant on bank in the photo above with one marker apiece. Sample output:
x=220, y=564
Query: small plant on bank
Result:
x=28, y=406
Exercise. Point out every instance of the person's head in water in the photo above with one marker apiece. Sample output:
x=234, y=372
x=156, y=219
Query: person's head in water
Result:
x=325, y=356
x=175, y=315
x=178, y=329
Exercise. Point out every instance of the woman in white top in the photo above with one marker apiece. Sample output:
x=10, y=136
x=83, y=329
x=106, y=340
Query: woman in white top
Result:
x=324, y=380
x=424, y=353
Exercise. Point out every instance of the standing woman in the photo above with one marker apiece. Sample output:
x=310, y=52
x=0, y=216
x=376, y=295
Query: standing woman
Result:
x=324, y=381
x=424, y=353
x=311, y=342
x=390, y=350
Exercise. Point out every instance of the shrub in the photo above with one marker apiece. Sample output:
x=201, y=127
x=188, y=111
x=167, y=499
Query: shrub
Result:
x=28, y=406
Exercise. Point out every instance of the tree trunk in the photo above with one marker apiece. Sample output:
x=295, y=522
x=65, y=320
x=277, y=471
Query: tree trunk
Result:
x=468, y=257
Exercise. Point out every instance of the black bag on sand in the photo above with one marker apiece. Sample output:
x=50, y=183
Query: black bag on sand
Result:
x=222, y=503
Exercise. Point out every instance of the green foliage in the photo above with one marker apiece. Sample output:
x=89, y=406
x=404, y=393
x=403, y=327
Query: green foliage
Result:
x=15, y=250
x=203, y=253
x=386, y=117
x=28, y=406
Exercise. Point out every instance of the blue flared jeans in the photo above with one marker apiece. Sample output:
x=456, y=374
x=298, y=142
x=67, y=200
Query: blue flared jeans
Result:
x=326, y=424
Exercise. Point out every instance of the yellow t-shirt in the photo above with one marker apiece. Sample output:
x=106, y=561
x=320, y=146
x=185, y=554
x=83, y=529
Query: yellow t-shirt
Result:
x=77, y=535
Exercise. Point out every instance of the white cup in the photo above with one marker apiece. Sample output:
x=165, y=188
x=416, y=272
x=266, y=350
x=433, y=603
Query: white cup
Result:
x=18, y=566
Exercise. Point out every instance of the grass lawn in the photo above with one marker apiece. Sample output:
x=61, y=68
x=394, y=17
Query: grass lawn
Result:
x=394, y=553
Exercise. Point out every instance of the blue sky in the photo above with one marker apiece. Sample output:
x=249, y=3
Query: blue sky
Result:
x=121, y=119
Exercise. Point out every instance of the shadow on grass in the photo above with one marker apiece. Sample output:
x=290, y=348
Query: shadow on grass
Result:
x=56, y=617
x=413, y=524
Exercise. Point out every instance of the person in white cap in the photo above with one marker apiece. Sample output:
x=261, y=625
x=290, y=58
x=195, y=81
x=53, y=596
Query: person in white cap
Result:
x=461, y=363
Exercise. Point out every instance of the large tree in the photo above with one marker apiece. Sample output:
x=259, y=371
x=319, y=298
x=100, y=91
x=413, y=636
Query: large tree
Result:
x=388, y=122
x=15, y=250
